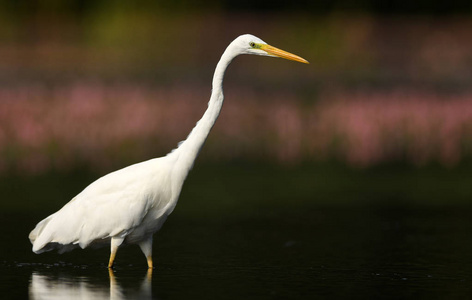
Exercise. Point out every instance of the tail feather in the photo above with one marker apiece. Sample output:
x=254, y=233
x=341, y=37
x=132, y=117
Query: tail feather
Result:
x=43, y=240
x=36, y=232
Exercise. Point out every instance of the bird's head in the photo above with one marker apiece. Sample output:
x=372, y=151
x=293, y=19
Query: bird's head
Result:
x=250, y=44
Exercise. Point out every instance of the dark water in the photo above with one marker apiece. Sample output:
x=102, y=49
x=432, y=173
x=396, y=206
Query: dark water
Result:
x=310, y=252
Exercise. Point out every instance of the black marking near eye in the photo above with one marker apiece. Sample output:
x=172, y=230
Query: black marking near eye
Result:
x=255, y=45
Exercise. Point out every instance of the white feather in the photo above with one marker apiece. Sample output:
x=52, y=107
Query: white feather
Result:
x=131, y=204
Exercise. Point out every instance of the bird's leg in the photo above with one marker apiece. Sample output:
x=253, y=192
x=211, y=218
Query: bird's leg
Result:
x=149, y=262
x=112, y=259
x=115, y=243
x=146, y=247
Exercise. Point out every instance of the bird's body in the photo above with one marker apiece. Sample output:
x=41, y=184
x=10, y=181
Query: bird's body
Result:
x=131, y=204
x=128, y=203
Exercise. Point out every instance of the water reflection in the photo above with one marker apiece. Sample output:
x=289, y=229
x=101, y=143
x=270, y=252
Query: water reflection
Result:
x=68, y=286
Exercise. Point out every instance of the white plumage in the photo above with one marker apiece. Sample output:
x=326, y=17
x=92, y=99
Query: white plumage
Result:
x=131, y=204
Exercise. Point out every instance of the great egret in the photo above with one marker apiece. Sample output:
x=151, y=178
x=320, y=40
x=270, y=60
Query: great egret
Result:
x=130, y=205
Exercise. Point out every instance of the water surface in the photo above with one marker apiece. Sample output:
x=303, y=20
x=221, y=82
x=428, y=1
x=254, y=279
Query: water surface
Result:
x=273, y=244
x=313, y=252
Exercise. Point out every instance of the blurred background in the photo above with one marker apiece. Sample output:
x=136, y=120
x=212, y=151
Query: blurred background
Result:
x=348, y=176
x=92, y=86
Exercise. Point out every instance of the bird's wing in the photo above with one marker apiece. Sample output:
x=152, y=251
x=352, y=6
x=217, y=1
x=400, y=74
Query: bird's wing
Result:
x=113, y=205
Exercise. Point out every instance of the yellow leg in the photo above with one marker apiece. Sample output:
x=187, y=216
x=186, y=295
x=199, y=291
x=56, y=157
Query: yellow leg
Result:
x=112, y=259
x=114, y=244
x=146, y=247
x=149, y=262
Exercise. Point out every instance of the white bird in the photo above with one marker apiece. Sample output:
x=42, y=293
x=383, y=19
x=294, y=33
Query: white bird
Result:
x=129, y=205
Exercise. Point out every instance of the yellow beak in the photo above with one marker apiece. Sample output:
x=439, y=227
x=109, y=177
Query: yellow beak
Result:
x=281, y=53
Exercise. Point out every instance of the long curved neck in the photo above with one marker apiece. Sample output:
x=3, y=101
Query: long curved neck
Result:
x=188, y=150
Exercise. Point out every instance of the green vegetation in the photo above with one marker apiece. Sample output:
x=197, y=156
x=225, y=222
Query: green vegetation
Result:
x=247, y=189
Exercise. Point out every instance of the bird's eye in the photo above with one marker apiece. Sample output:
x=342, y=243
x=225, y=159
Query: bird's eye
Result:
x=252, y=44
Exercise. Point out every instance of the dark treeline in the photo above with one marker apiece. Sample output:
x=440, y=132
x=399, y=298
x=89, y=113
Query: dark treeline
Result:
x=84, y=7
